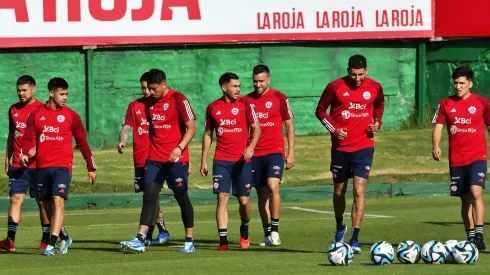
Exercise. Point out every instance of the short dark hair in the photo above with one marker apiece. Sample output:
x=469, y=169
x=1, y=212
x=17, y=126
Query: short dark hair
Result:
x=57, y=83
x=463, y=71
x=155, y=76
x=357, y=62
x=227, y=77
x=26, y=79
x=261, y=69
x=144, y=77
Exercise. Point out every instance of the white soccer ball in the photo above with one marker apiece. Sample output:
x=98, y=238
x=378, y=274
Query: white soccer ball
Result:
x=433, y=252
x=408, y=252
x=340, y=254
x=449, y=245
x=465, y=252
x=382, y=253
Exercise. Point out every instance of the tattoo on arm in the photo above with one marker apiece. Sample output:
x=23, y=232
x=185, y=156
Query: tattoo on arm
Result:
x=123, y=135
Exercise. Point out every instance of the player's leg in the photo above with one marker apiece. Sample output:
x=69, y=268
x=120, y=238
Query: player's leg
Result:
x=459, y=187
x=221, y=187
x=31, y=176
x=478, y=176
x=242, y=176
x=259, y=181
x=275, y=168
x=340, y=169
x=139, y=187
x=163, y=234
x=361, y=166
x=177, y=180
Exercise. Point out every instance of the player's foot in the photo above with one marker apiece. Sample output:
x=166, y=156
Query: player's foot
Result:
x=162, y=238
x=148, y=240
x=223, y=247
x=49, y=251
x=355, y=246
x=267, y=241
x=133, y=245
x=245, y=243
x=7, y=245
x=188, y=247
x=275, y=238
x=480, y=244
x=339, y=234
x=64, y=245
x=42, y=246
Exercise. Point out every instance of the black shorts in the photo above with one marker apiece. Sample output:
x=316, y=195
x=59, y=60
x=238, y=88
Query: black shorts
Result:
x=346, y=165
x=462, y=177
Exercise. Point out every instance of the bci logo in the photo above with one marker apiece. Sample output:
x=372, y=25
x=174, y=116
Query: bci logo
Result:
x=51, y=129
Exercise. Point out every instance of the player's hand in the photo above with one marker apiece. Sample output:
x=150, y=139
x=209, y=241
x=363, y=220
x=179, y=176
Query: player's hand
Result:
x=436, y=153
x=374, y=127
x=341, y=133
x=92, y=176
x=24, y=160
x=120, y=147
x=204, y=169
x=175, y=155
x=290, y=160
x=249, y=152
x=32, y=152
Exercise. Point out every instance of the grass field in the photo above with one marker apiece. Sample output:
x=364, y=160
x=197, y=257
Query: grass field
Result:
x=401, y=156
x=305, y=238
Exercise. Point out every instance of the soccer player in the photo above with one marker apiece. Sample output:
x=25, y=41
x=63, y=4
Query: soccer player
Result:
x=357, y=106
x=20, y=178
x=466, y=115
x=172, y=127
x=231, y=117
x=51, y=128
x=136, y=119
x=272, y=109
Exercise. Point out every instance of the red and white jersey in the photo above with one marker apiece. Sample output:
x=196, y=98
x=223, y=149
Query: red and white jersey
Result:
x=231, y=121
x=167, y=118
x=272, y=109
x=352, y=108
x=136, y=119
x=51, y=130
x=18, y=114
x=466, y=120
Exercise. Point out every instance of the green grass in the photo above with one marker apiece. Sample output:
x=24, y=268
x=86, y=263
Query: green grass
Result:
x=305, y=239
x=401, y=156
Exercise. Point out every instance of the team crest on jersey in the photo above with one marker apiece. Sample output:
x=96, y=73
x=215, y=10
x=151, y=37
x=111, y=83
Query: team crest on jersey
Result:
x=454, y=129
x=234, y=111
x=472, y=110
x=268, y=104
x=61, y=118
x=220, y=130
x=366, y=95
x=345, y=114
x=165, y=106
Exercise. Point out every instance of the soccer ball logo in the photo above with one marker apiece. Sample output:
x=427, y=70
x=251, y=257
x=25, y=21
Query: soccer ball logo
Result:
x=234, y=111
x=472, y=110
x=268, y=104
x=165, y=106
x=346, y=114
x=61, y=118
x=454, y=129
x=366, y=95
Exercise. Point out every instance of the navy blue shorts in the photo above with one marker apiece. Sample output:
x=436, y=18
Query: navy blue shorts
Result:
x=234, y=175
x=175, y=174
x=21, y=179
x=347, y=165
x=53, y=181
x=462, y=177
x=267, y=166
x=139, y=179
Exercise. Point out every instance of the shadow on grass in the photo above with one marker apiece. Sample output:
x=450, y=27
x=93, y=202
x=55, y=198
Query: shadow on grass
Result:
x=448, y=223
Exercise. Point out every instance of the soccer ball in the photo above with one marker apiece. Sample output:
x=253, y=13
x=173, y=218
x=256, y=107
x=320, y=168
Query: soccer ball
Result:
x=433, y=252
x=382, y=253
x=408, y=252
x=340, y=254
x=449, y=245
x=465, y=252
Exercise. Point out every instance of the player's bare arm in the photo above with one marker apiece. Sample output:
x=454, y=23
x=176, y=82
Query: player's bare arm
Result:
x=123, y=137
x=290, y=135
x=188, y=136
x=9, y=150
x=257, y=131
x=436, y=139
x=207, y=140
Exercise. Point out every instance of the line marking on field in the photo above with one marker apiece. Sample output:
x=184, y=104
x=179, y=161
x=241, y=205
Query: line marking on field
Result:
x=101, y=212
x=329, y=212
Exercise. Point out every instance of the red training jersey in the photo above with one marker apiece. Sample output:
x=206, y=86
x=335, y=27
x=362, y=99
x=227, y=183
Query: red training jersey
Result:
x=466, y=120
x=352, y=108
x=231, y=120
x=168, y=116
x=272, y=109
x=52, y=131
x=136, y=119
x=18, y=114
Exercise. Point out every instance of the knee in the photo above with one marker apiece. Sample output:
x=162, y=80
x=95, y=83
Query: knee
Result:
x=273, y=188
x=223, y=199
x=243, y=201
x=16, y=199
x=59, y=202
x=339, y=190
